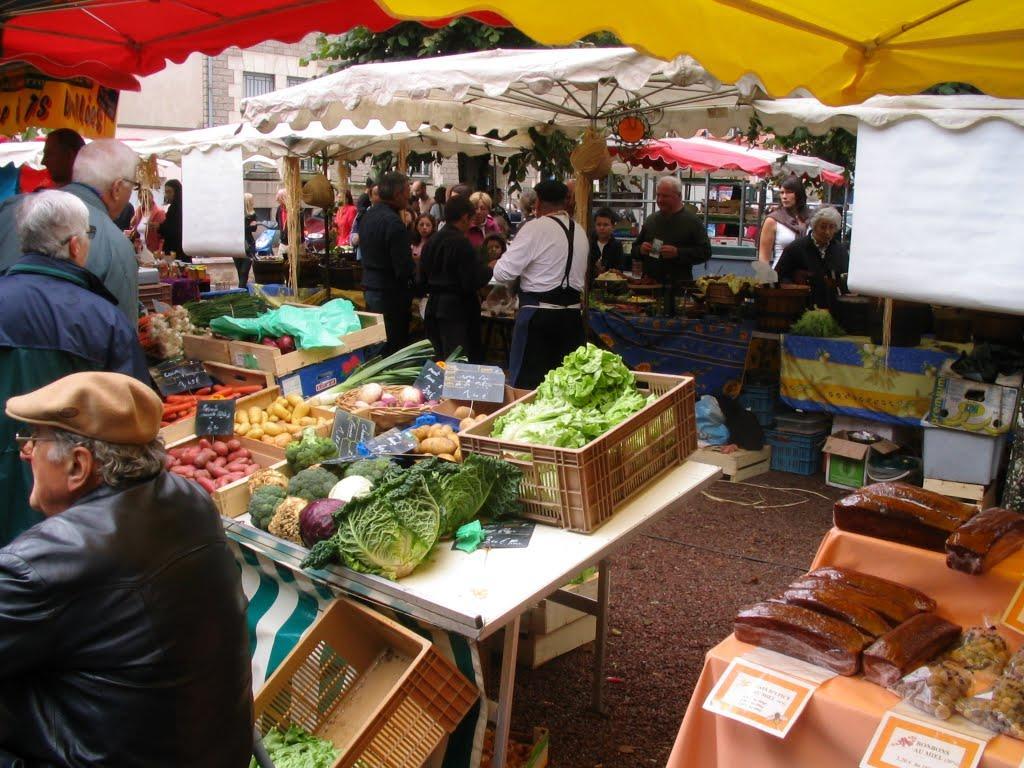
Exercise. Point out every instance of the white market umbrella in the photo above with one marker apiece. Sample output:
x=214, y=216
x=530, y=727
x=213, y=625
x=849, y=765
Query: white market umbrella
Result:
x=569, y=89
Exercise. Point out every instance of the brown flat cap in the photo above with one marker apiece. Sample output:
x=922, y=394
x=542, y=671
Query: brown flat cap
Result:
x=110, y=407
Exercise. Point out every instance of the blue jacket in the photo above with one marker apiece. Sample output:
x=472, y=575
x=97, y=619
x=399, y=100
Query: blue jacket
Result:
x=111, y=255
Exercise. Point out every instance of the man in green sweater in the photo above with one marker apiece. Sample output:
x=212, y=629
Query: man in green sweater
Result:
x=672, y=239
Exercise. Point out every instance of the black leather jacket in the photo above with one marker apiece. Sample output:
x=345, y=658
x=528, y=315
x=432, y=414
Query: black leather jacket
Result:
x=123, y=637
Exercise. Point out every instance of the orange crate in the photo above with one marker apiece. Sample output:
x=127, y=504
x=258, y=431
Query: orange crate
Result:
x=378, y=691
x=580, y=488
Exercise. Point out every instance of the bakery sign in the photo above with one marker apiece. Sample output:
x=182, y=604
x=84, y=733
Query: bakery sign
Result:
x=762, y=698
x=31, y=99
x=904, y=742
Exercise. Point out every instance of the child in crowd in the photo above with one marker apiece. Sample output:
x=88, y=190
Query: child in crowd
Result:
x=605, y=251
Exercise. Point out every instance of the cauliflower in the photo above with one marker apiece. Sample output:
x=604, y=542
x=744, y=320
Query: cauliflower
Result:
x=310, y=450
x=312, y=484
x=264, y=477
x=285, y=523
x=263, y=503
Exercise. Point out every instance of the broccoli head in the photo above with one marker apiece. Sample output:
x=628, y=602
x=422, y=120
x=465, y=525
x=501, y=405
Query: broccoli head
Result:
x=312, y=484
x=310, y=450
x=372, y=469
x=262, y=504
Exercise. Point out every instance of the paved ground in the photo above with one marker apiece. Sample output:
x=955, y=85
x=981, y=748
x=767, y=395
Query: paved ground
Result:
x=675, y=591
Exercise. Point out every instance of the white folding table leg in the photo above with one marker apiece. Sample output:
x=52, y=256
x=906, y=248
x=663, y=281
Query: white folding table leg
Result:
x=601, y=640
x=509, y=652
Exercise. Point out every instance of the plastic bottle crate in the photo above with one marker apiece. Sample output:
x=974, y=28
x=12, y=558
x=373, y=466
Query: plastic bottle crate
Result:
x=799, y=454
x=760, y=401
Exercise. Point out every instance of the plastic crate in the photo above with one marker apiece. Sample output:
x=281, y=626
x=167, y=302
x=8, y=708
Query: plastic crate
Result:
x=580, y=488
x=799, y=454
x=761, y=402
x=378, y=691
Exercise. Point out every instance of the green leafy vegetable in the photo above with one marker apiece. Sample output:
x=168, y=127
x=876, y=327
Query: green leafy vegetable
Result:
x=372, y=469
x=263, y=503
x=817, y=322
x=297, y=748
x=587, y=395
x=312, y=483
x=310, y=450
x=392, y=529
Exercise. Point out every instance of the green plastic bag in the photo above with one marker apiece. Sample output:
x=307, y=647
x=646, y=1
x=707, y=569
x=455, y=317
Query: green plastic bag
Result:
x=311, y=327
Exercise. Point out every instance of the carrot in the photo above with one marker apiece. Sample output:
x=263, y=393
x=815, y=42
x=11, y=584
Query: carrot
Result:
x=203, y=391
x=248, y=389
x=220, y=388
x=179, y=399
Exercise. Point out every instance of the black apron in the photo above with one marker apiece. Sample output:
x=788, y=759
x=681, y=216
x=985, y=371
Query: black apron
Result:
x=548, y=327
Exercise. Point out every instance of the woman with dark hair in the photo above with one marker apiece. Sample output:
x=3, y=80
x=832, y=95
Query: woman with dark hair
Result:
x=422, y=231
x=786, y=223
x=344, y=219
x=437, y=207
x=170, y=230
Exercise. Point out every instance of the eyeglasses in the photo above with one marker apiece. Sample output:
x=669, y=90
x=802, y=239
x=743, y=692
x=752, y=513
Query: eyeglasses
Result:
x=90, y=233
x=27, y=442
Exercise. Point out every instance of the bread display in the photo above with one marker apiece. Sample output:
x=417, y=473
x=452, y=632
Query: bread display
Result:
x=829, y=600
x=916, y=641
x=986, y=539
x=803, y=634
x=902, y=513
x=916, y=601
x=893, y=610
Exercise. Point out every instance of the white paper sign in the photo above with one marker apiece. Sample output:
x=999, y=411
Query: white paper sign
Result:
x=903, y=742
x=932, y=223
x=212, y=205
x=760, y=697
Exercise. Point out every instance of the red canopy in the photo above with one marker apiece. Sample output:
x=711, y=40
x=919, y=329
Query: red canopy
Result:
x=671, y=154
x=110, y=41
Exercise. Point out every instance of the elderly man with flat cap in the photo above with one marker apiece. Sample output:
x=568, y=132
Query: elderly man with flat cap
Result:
x=123, y=635
x=549, y=258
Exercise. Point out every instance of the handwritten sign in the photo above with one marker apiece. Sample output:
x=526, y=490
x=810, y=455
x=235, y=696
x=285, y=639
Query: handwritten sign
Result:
x=349, y=430
x=475, y=383
x=215, y=417
x=759, y=697
x=508, y=535
x=392, y=441
x=903, y=742
x=181, y=376
x=1013, y=616
x=430, y=381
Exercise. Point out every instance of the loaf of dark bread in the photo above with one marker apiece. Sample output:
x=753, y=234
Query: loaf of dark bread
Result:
x=919, y=602
x=832, y=602
x=910, y=645
x=803, y=634
x=893, y=611
x=901, y=513
x=984, y=540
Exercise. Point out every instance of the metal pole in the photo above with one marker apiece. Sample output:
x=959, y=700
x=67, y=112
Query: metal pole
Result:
x=601, y=639
x=510, y=649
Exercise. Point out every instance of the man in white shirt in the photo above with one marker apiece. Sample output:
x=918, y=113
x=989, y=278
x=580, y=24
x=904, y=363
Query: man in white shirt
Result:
x=549, y=258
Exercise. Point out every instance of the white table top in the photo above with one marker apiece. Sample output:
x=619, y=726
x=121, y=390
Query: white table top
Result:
x=476, y=594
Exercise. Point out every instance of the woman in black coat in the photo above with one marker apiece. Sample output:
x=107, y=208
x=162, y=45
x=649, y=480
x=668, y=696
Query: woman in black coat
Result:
x=817, y=259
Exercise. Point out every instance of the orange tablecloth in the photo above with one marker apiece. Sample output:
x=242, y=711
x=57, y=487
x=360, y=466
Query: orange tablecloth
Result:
x=844, y=712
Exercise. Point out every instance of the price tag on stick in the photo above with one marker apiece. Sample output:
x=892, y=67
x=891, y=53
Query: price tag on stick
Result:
x=430, y=381
x=475, y=383
x=183, y=376
x=215, y=417
x=349, y=430
x=392, y=441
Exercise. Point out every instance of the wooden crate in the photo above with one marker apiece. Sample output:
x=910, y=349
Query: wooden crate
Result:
x=548, y=616
x=536, y=649
x=982, y=496
x=206, y=347
x=736, y=466
x=232, y=499
x=580, y=488
x=150, y=292
x=222, y=374
x=247, y=354
x=379, y=692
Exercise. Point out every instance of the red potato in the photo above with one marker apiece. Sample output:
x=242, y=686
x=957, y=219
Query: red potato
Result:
x=234, y=445
x=184, y=471
x=232, y=477
x=188, y=456
x=251, y=468
x=203, y=473
x=175, y=452
x=205, y=457
x=220, y=461
x=216, y=471
x=204, y=443
x=236, y=466
x=221, y=448
x=207, y=484
x=241, y=453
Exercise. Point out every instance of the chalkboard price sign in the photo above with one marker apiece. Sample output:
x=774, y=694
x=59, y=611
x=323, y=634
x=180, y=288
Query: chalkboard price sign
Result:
x=350, y=430
x=430, y=381
x=508, y=535
x=181, y=376
x=476, y=383
x=392, y=441
x=215, y=417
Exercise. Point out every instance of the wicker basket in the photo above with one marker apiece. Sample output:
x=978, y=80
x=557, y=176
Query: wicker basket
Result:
x=721, y=295
x=378, y=691
x=384, y=418
x=580, y=488
x=779, y=308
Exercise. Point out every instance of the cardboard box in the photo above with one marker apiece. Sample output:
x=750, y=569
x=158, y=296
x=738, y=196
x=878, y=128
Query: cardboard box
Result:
x=901, y=434
x=970, y=406
x=247, y=354
x=846, y=460
x=317, y=378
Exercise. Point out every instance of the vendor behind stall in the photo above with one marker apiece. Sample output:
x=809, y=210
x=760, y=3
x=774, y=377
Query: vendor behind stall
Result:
x=123, y=636
x=672, y=240
x=549, y=258
x=817, y=259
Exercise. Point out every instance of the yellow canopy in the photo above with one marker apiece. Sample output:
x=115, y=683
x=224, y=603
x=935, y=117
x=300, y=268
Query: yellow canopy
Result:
x=842, y=52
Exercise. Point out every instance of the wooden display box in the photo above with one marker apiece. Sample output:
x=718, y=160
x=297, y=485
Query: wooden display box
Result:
x=206, y=347
x=379, y=692
x=536, y=650
x=222, y=374
x=270, y=394
x=737, y=466
x=982, y=496
x=232, y=499
x=549, y=616
x=247, y=354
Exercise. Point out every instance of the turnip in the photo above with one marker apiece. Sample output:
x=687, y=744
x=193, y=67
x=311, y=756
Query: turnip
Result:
x=388, y=400
x=371, y=393
x=410, y=397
